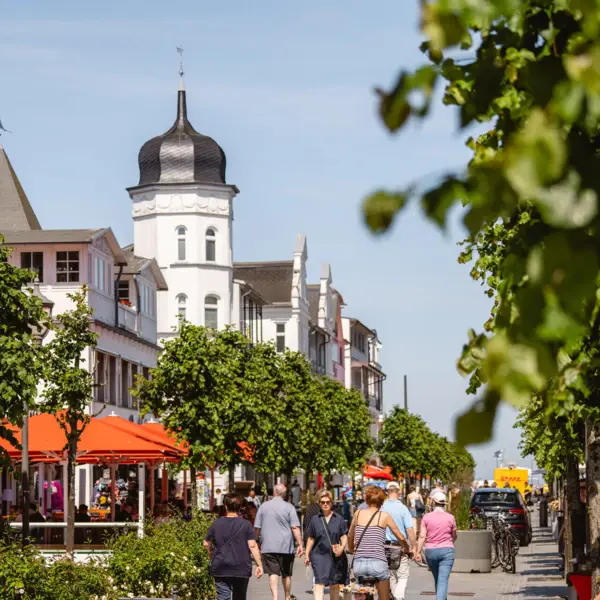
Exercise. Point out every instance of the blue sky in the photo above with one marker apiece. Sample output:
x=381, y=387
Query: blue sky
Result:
x=287, y=90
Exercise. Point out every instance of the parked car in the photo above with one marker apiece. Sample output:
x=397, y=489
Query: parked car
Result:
x=488, y=502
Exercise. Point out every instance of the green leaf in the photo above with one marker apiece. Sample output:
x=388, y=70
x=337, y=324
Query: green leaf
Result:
x=380, y=208
x=476, y=425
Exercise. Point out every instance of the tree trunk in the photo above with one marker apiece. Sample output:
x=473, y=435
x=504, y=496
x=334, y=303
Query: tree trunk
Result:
x=231, y=474
x=71, y=461
x=574, y=513
x=593, y=499
x=194, y=484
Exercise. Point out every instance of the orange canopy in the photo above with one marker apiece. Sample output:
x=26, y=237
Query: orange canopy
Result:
x=99, y=442
x=374, y=472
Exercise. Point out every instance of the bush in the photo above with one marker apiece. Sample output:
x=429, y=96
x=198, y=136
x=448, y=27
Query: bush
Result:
x=25, y=575
x=170, y=554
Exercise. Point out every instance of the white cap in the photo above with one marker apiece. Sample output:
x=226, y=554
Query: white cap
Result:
x=393, y=485
x=439, y=498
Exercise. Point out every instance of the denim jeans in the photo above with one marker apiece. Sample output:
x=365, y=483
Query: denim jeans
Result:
x=440, y=561
x=231, y=588
x=371, y=567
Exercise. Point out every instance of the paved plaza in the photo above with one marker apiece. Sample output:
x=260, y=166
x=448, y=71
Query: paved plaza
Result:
x=538, y=576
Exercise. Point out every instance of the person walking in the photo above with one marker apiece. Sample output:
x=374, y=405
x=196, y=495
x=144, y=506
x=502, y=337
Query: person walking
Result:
x=438, y=488
x=438, y=534
x=326, y=548
x=231, y=542
x=398, y=561
x=253, y=498
x=276, y=527
x=366, y=540
x=416, y=505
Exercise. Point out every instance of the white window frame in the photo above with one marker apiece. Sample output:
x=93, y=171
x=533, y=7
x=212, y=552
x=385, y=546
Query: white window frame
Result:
x=181, y=307
x=68, y=261
x=210, y=240
x=211, y=306
x=280, y=337
x=181, y=231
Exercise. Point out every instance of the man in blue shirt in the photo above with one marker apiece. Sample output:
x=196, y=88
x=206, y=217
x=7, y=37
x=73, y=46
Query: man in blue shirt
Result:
x=403, y=519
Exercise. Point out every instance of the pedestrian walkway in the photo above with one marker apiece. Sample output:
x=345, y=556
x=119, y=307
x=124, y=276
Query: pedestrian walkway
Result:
x=538, y=576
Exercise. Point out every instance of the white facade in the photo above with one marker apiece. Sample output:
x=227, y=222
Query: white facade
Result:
x=187, y=229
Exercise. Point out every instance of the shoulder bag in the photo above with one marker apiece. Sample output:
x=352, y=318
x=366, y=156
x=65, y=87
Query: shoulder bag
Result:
x=328, y=537
x=217, y=557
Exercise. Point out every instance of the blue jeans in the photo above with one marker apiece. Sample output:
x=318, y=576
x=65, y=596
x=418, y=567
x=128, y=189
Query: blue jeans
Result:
x=371, y=567
x=231, y=588
x=440, y=561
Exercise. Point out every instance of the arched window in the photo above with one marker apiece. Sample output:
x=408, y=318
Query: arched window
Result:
x=211, y=241
x=211, y=312
x=181, y=307
x=181, y=242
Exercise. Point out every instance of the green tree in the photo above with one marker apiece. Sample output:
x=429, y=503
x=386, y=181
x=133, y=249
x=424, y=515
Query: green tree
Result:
x=20, y=364
x=215, y=390
x=68, y=388
x=530, y=69
x=405, y=443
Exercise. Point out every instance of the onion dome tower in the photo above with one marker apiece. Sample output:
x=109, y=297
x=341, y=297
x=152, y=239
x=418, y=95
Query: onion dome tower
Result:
x=182, y=215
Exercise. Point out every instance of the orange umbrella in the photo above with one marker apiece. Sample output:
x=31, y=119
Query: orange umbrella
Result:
x=156, y=435
x=99, y=442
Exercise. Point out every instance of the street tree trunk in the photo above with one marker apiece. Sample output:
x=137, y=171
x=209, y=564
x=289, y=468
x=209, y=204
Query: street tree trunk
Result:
x=231, y=473
x=194, y=484
x=593, y=498
x=574, y=513
x=71, y=461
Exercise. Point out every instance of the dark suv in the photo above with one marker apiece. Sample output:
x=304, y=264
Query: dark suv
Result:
x=488, y=502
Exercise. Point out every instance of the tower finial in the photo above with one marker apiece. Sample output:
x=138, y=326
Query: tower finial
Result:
x=181, y=72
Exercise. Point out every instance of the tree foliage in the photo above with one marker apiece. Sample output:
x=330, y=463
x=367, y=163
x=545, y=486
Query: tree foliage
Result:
x=408, y=445
x=68, y=386
x=550, y=438
x=530, y=69
x=235, y=403
x=20, y=357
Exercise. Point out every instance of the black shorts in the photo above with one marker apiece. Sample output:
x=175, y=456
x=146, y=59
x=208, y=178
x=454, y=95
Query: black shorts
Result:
x=278, y=564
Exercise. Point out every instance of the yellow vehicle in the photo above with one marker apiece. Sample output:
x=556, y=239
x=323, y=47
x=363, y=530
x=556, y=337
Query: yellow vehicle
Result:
x=516, y=478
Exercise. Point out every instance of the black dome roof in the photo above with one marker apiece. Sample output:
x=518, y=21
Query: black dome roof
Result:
x=181, y=155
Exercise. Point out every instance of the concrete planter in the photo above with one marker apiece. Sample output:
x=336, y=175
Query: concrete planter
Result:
x=473, y=552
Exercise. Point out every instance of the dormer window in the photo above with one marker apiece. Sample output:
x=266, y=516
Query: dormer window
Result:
x=34, y=261
x=181, y=249
x=211, y=242
x=67, y=267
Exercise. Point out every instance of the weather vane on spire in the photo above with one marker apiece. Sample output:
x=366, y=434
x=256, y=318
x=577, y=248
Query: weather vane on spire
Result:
x=180, y=51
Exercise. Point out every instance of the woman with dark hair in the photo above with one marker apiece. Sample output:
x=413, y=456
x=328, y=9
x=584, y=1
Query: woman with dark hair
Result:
x=367, y=538
x=231, y=543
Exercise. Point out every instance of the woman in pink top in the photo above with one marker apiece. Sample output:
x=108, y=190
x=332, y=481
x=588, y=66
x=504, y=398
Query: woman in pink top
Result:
x=438, y=533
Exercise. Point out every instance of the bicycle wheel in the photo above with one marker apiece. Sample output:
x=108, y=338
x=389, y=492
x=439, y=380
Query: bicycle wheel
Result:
x=508, y=556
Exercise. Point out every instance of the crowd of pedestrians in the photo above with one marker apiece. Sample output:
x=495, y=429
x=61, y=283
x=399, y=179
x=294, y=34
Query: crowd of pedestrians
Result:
x=377, y=542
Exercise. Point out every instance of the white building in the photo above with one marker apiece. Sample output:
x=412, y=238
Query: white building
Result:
x=181, y=265
x=122, y=290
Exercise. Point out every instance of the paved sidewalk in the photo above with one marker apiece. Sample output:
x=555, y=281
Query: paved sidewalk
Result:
x=538, y=576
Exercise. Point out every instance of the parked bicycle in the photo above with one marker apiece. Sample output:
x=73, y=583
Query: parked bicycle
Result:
x=505, y=544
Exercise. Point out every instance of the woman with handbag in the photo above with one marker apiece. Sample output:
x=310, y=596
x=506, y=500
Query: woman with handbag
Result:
x=231, y=543
x=326, y=545
x=416, y=505
x=366, y=541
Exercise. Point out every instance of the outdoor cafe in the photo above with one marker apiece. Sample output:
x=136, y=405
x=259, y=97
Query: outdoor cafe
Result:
x=122, y=460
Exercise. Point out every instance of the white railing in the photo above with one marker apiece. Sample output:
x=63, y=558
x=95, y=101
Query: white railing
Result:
x=127, y=318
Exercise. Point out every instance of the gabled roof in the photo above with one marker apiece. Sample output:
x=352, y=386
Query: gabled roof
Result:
x=136, y=264
x=16, y=212
x=66, y=236
x=272, y=280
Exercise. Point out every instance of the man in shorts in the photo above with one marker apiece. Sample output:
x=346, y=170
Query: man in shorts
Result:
x=277, y=526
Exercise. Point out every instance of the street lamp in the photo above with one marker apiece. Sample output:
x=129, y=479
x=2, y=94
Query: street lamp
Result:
x=38, y=333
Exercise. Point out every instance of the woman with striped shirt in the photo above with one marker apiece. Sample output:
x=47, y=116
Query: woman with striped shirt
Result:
x=367, y=538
